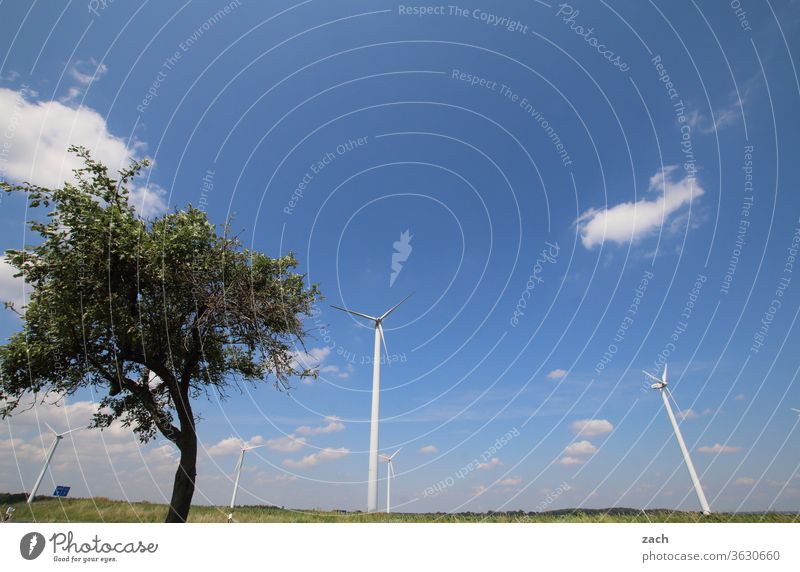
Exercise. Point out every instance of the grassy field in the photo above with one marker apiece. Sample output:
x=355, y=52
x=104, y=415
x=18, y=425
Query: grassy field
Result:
x=104, y=510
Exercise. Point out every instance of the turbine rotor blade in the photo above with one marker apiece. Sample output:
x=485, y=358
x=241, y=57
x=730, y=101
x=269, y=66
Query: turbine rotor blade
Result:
x=393, y=308
x=355, y=313
x=651, y=376
x=249, y=448
x=393, y=455
x=72, y=431
x=51, y=429
x=385, y=349
x=664, y=375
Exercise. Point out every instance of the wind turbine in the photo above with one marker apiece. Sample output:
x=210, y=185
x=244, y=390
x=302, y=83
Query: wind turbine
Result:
x=661, y=385
x=389, y=477
x=238, y=471
x=372, y=476
x=58, y=437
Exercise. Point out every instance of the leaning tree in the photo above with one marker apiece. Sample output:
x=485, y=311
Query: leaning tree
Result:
x=151, y=313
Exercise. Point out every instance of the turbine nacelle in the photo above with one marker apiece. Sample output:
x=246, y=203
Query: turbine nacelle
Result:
x=659, y=383
x=58, y=435
x=390, y=458
x=378, y=321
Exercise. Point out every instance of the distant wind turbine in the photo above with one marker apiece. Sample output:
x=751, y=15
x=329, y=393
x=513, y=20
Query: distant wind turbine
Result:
x=661, y=385
x=372, y=476
x=389, y=477
x=48, y=457
x=238, y=471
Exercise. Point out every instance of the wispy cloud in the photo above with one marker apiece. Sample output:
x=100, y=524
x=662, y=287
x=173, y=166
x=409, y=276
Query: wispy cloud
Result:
x=557, y=374
x=286, y=444
x=87, y=71
x=725, y=116
x=429, y=450
x=718, y=449
x=490, y=464
x=327, y=454
x=570, y=461
x=84, y=73
x=333, y=425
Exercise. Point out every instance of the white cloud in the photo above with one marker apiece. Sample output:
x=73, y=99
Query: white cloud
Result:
x=429, y=450
x=41, y=131
x=631, y=221
x=718, y=449
x=557, y=374
x=111, y=462
x=511, y=481
x=740, y=397
x=232, y=445
x=311, y=359
x=580, y=448
x=333, y=426
x=745, y=481
x=336, y=371
x=570, y=461
x=10, y=287
x=327, y=454
x=493, y=462
x=592, y=427
x=314, y=359
x=149, y=200
x=286, y=444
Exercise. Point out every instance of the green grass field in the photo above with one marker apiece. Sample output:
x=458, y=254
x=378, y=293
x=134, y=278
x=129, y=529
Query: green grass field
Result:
x=100, y=509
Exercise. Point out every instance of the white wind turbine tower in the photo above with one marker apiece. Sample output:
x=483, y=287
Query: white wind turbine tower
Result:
x=372, y=476
x=48, y=457
x=661, y=385
x=389, y=477
x=238, y=471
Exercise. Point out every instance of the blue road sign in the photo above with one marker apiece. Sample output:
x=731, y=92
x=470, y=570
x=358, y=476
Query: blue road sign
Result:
x=61, y=491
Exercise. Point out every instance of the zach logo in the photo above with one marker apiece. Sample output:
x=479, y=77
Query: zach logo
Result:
x=31, y=545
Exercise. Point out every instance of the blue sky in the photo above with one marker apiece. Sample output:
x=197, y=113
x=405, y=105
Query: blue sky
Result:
x=589, y=190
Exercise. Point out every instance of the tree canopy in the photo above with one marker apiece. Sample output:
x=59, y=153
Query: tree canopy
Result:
x=151, y=313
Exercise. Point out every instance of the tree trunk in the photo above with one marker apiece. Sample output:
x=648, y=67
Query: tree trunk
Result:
x=183, y=488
